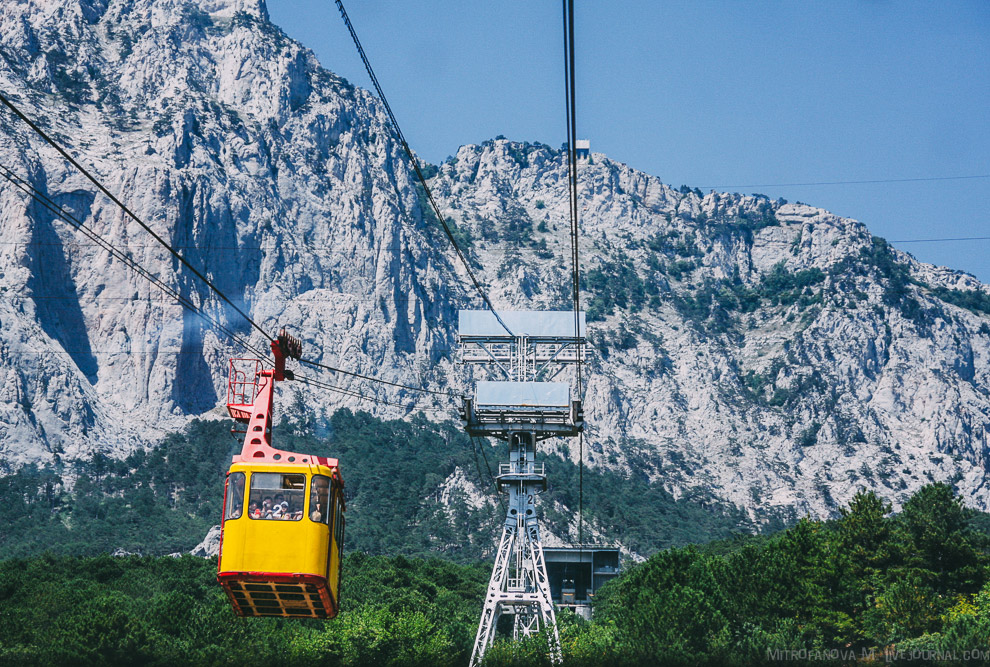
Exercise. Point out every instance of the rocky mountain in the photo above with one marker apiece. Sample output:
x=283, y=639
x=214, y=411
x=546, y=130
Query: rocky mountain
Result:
x=275, y=177
x=770, y=354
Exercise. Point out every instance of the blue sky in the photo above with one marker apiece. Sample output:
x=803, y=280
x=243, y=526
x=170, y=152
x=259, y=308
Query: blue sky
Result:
x=732, y=94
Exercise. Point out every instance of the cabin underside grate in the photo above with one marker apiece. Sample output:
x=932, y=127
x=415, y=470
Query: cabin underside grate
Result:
x=261, y=598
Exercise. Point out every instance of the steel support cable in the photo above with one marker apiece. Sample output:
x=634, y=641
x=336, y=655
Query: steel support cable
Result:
x=867, y=182
x=51, y=142
x=570, y=98
x=481, y=478
x=25, y=187
x=477, y=463
x=355, y=394
x=380, y=381
x=475, y=446
x=346, y=392
x=958, y=238
x=415, y=164
x=491, y=477
x=29, y=189
x=175, y=253
x=41, y=198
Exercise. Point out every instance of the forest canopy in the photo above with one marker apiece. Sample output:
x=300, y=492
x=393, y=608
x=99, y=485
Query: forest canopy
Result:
x=165, y=500
x=913, y=583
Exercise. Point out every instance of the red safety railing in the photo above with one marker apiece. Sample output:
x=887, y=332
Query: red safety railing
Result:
x=242, y=387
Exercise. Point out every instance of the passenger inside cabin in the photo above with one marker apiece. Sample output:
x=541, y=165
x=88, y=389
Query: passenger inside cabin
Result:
x=277, y=496
x=235, y=495
x=318, y=498
x=238, y=496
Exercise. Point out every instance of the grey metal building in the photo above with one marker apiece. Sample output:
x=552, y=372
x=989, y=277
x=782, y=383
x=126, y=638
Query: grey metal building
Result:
x=577, y=573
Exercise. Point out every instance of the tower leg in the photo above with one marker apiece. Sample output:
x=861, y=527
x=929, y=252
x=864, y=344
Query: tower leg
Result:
x=496, y=584
x=547, y=612
x=519, y=583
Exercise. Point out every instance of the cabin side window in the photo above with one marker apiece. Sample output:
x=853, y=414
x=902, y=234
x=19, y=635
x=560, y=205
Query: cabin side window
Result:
x=319, y=499
x=277, y=496
x=338, y=520
x=235, y=495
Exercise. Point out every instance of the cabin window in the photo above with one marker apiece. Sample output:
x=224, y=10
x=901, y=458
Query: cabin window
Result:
x=319, y=499
x=277, y=496
x=338, y=521
x=235, y=495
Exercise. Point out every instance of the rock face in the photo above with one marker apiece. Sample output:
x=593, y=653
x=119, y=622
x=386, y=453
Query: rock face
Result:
x=773, y=354
x=210, y=546
x=276, y=178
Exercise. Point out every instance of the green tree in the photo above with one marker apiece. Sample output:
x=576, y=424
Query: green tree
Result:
x=667, y=609
x=937, y=538
x=906, y=607
x=865, y=550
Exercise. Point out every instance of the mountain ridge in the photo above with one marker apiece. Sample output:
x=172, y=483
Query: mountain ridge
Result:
x=736, y=282
x=771, y=354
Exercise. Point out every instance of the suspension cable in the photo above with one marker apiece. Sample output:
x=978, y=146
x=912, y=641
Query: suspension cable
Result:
x=478, y=446
x=419, y=172
x=380, y=381
x=569, y=104
x=26, y=187
x=350, y=392
x=51, y=142
x=178, y=256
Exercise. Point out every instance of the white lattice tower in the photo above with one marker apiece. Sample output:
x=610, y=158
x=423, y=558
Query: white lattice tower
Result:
x=521, y=410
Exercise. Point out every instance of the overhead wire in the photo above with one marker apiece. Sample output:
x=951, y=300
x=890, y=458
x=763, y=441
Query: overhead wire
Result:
x=424, y=390
x=419, y=172
x=959, y=238
x=570, y=103
x=477, y=464
x=353, y=393
x=26, y=187
x=196, y=352
x=178, y=256
x=477, y=445
x=864, y=182
x=123, y=207
x=309, y=248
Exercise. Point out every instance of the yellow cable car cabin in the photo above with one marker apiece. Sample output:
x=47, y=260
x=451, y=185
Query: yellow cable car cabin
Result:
x=283, y=516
